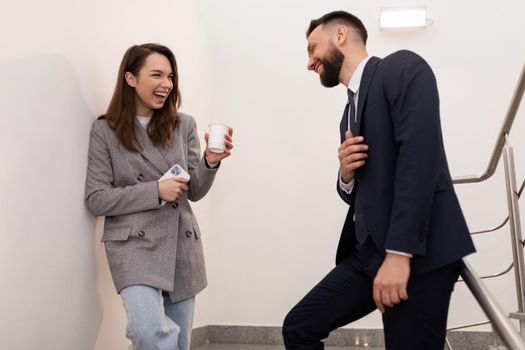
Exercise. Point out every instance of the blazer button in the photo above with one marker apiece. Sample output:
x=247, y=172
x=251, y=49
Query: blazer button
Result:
x=175, y=205
x=140, y=177
x=189, y=234
x=142, y=234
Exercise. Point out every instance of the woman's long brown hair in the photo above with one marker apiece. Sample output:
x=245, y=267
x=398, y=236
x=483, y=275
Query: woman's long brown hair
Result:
x=121, y=112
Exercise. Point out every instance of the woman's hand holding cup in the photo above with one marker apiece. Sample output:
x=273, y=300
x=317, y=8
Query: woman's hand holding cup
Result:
x=219, y=142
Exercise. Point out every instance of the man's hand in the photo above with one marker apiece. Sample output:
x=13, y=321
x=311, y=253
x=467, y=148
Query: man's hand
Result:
x=351, y=156
x=390, y=284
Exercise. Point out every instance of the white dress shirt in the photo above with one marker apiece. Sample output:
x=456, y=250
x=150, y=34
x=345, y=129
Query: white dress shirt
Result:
x=353, y=85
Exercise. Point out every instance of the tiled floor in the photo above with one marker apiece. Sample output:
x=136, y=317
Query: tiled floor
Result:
x=268, y=347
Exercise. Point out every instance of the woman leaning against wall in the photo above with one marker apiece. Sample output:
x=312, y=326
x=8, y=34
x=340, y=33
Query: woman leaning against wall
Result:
x=151, y=235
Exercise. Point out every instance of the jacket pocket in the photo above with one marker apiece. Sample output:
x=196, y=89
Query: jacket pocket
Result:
x=195, y=226
x=119, y=233
x=443, y=184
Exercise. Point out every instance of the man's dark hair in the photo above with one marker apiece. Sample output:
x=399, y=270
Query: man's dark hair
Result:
x=340, y=17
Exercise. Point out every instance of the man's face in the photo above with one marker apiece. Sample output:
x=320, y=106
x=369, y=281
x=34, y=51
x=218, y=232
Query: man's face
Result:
x=324, y=57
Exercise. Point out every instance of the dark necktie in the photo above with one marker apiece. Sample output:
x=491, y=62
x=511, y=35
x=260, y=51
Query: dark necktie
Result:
x=353, y=121
x=360, y=226
x=348, y=121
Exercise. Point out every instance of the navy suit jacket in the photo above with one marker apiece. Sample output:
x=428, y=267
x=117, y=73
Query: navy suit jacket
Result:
x=405, y=190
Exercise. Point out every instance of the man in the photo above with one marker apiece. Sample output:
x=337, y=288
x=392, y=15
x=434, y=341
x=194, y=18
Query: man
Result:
x=404, y=234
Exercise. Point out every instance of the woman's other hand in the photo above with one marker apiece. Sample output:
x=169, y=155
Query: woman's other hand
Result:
x=171, y=189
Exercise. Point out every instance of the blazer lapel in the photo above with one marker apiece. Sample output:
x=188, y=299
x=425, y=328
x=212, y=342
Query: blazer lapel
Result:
x=148, y=150
x=366, y=79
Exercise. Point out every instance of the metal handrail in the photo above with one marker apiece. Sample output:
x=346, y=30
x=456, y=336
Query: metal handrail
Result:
x=504, y=221
x=468, y=325
x=500, y=322
x=492, y=229
x=505, y=129
x=504, y=272
x=495, y=229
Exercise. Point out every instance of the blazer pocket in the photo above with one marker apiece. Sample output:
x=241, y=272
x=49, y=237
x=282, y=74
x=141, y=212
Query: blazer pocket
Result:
x=116, y=233
x=196, y=232
x=442, y=184
x=195, y=226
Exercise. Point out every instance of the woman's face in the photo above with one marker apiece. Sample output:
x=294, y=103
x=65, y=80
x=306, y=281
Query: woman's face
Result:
x=153, y=84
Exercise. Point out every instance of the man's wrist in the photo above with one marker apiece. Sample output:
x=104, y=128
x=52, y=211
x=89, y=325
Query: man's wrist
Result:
x=346, y=187
x=394, y=254
x=347, y=179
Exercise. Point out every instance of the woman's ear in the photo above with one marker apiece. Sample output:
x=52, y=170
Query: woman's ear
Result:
x=130, y=79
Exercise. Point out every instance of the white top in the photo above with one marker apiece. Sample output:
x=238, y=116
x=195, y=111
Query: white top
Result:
x=144, y=121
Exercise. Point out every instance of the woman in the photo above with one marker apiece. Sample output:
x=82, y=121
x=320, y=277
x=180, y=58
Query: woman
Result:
x=154, y=251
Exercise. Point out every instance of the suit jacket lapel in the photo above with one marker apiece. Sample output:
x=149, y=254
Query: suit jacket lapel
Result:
x=174, y=152
x=366, y=79
x=343, y=125
x=148, y=150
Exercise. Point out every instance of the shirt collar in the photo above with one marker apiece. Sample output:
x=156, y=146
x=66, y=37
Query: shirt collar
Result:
x=355, y=81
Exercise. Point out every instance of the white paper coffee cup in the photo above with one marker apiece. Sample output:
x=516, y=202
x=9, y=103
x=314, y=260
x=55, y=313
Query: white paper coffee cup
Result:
x=217, y=132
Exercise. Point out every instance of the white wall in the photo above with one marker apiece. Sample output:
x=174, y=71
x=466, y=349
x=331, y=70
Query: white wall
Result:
x=58, y=65
x=277, y=217
x=273, y=219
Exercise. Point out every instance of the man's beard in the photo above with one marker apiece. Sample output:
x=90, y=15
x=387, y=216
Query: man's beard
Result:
x=332, y=64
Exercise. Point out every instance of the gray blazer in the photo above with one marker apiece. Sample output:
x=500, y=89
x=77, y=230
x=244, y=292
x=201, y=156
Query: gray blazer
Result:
x=146, y=243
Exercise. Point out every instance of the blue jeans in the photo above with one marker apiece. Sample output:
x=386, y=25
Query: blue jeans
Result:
x=154, y=323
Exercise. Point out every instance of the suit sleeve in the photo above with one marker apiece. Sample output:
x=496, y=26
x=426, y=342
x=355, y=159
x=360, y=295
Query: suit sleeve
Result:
x=346, y=197
x=412, y=94
x=201, y=175
x=102, y=198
